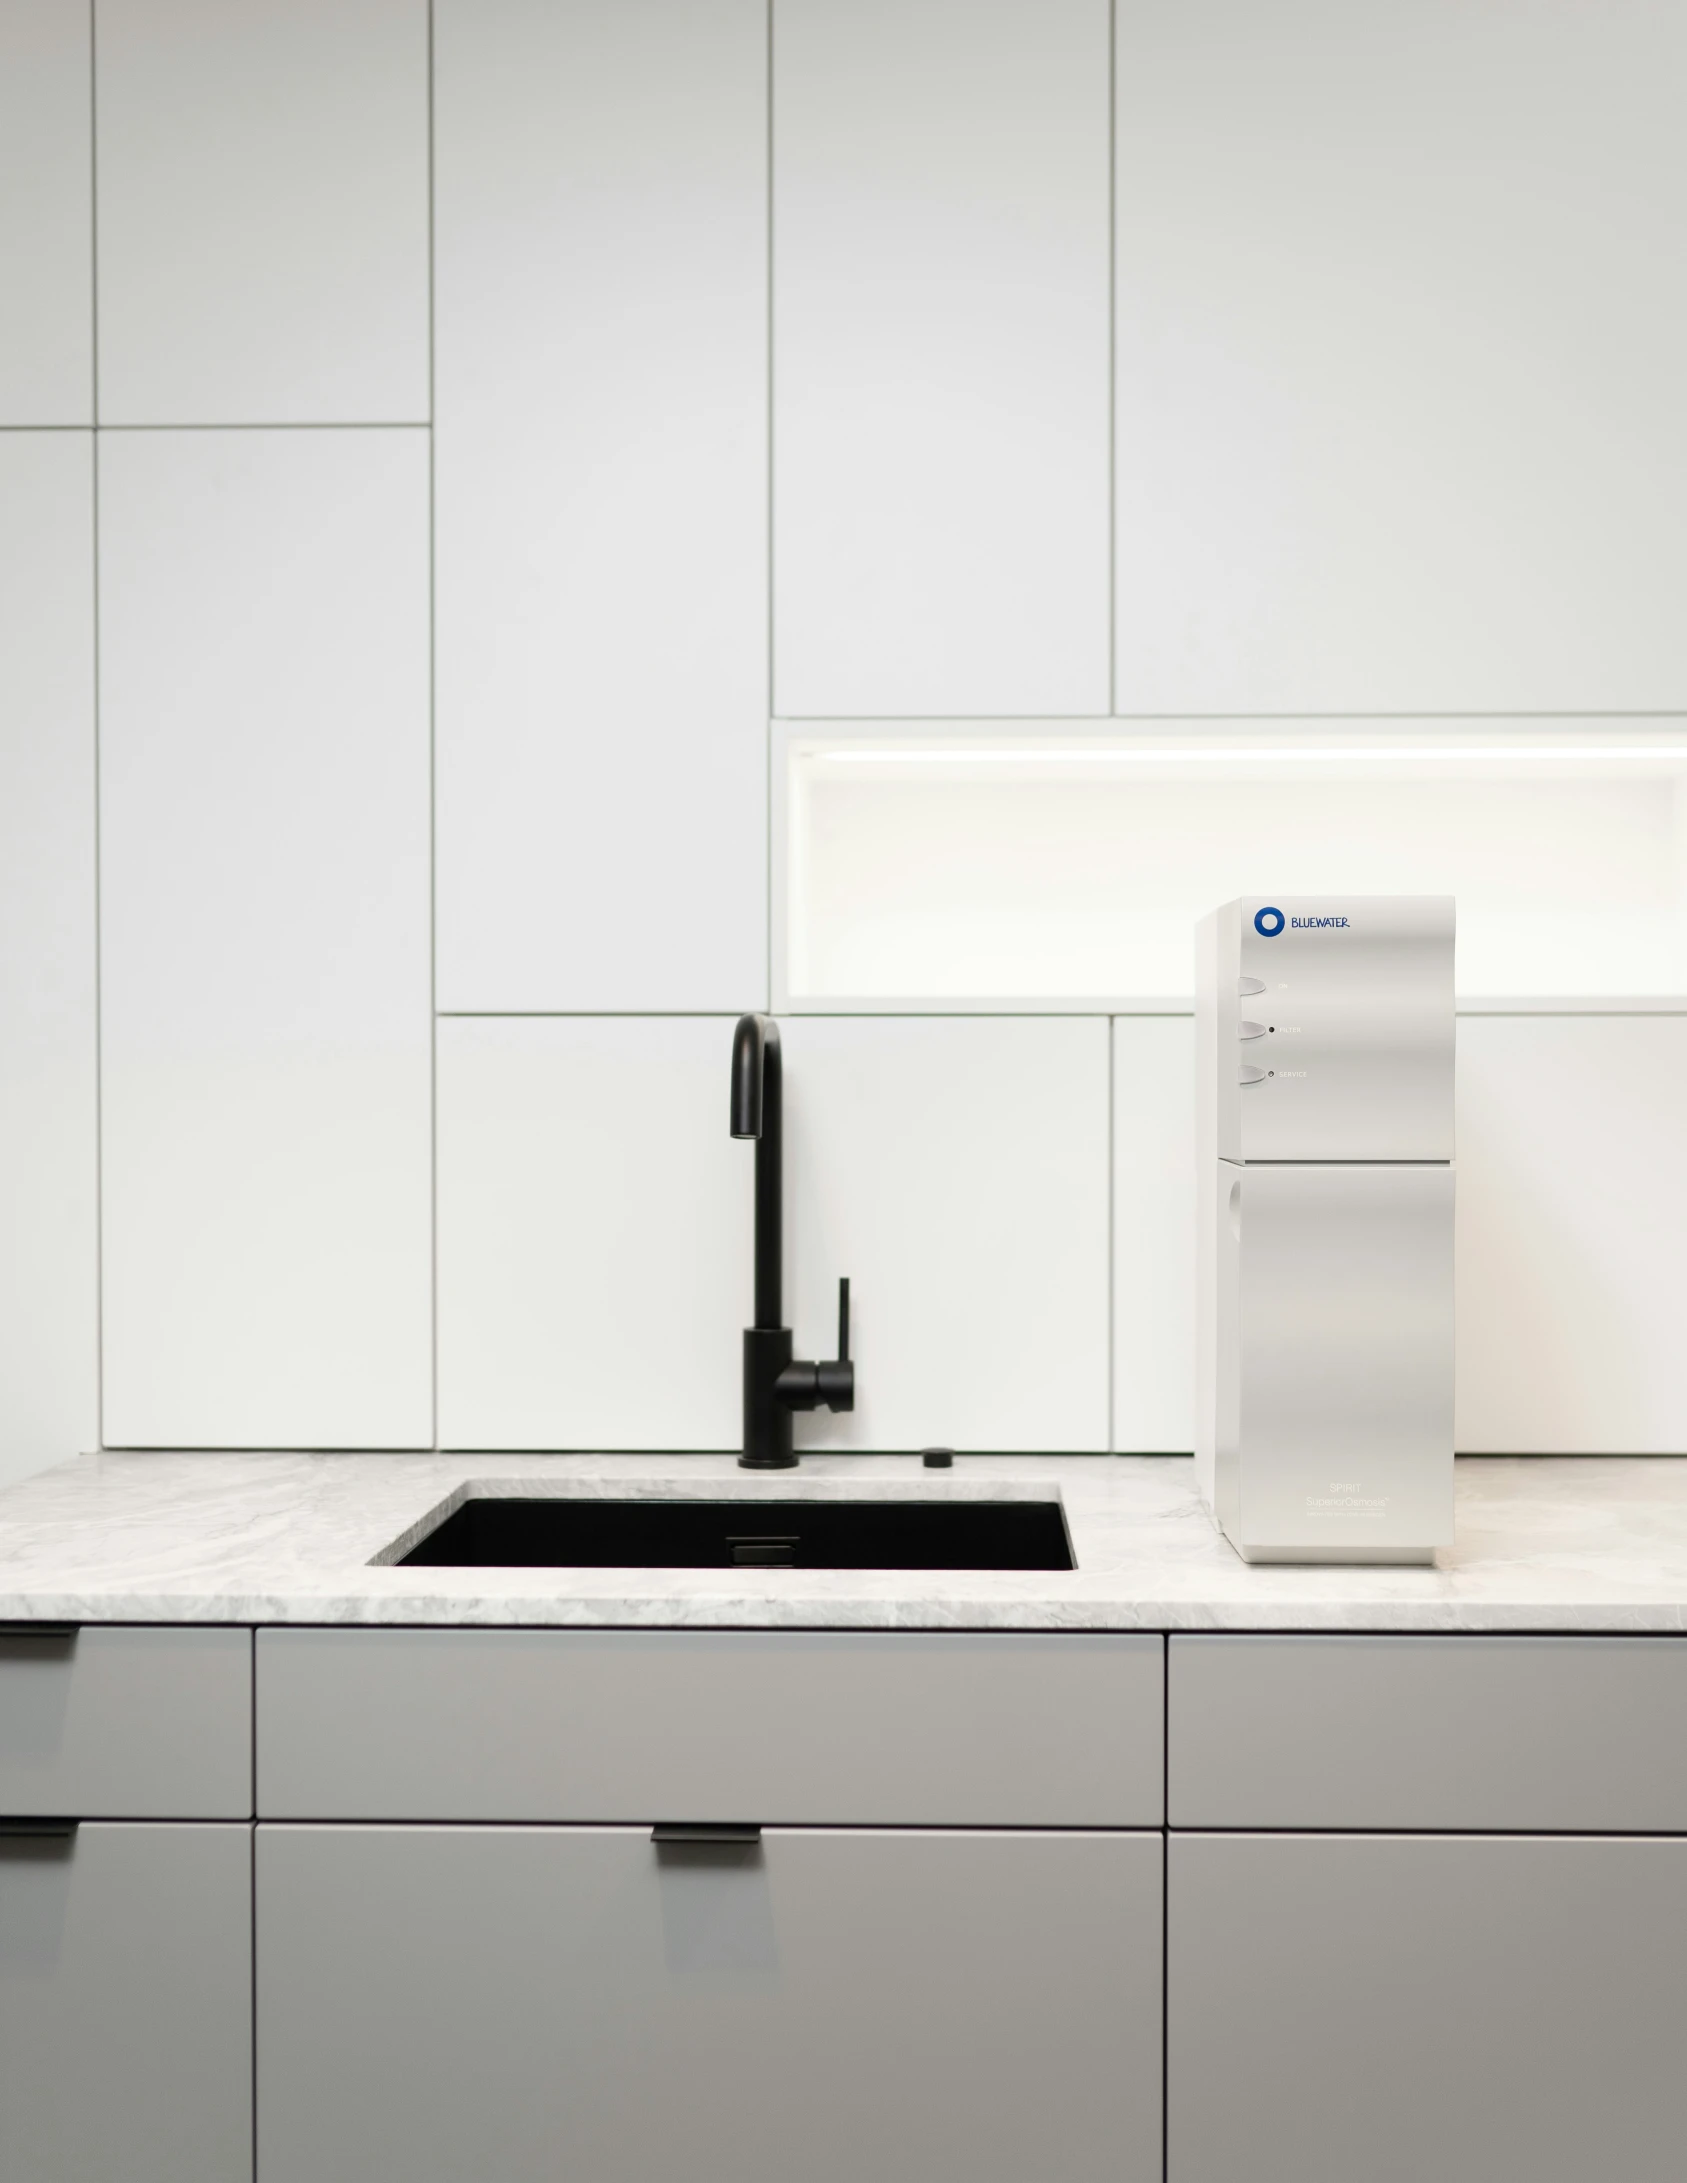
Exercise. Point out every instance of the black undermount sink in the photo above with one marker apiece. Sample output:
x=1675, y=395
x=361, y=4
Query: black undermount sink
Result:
x=885, y=1534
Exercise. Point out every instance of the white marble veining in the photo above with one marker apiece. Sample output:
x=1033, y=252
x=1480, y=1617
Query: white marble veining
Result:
x=1543, y=1543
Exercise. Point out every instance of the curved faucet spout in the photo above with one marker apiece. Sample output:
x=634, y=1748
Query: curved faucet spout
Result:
x=750, y=1042
x=758, y=1112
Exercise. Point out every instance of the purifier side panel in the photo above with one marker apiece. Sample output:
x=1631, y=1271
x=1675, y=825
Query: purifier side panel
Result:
x=1229, y=1188
x=1344, y=1358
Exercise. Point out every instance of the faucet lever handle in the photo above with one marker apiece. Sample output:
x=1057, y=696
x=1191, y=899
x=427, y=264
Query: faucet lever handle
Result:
x=834, y=1381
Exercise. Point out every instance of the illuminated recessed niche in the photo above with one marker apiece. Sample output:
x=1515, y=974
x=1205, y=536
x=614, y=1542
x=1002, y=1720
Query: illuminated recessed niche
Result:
x=974, y=868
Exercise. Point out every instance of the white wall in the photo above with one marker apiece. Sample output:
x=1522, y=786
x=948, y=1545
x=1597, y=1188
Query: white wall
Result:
x=517, y=419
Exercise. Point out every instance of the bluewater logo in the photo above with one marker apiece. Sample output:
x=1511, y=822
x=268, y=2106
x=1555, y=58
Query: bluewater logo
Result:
x=1268, y=923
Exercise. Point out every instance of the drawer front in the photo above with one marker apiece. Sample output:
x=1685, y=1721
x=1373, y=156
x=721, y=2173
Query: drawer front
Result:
x=811, y=1727
x=126, y=1724
x=1526, y=1733
x=832, y=2005
x=126, y=2005
x=1425, y=2009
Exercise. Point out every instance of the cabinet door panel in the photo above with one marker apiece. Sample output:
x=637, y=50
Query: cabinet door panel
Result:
x=147, y=1723
x=263, y=212
x=49, y=1263
x=447, y=2005
x=46, y=212
x=1399, y=427
x=601, y=251
x=940, y=310
x=265, y=1012
x=1393, y=2008
x=126, y=2006
x=1433, y=1732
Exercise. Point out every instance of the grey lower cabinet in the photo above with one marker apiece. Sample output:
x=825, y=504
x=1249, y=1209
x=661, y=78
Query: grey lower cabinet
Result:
x=453, y=2003
x=1477, y=2009
x=126, y=2005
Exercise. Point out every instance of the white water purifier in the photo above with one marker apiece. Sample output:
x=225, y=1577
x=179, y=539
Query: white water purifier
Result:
x=1324, y=1060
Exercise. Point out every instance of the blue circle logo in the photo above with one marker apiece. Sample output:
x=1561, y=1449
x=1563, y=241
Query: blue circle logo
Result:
x=1268, y=923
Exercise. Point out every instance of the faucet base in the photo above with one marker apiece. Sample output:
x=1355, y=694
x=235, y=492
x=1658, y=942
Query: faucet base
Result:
x=768, y=1442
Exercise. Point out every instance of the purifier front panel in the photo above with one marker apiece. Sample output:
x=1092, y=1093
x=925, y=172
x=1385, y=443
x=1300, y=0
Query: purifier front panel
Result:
x=1335, y=1348
x=1339, y=1015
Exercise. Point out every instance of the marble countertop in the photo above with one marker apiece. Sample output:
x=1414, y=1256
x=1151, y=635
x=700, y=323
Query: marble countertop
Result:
x=1543, y=1543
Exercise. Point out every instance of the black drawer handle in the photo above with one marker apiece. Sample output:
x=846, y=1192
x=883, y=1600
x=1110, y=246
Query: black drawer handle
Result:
x=680, y=1831
x=42, y=1633
x=18, y=1830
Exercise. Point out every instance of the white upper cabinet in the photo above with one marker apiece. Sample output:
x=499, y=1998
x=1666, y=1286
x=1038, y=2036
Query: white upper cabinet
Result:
x=49, y=1361
x=956, y=1170
x=1572, y=1293
x=46, y=213
x=1402, y=333
x=266, y=1050
x=601, y=253
x=941, y=295
x=263, y=211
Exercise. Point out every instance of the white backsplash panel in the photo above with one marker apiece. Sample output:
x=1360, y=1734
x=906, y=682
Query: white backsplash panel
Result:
x=1572, y=1286
x=1153, y=1235
x=956, y=1171
x=594, y=1233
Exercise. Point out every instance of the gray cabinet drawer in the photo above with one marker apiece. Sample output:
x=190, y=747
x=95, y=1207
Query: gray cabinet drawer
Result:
x=148, y=1723
x=126, y=2005
x=808, y=1727
x=1425, y=2009
x=1548, y=1733
x=527, y=2004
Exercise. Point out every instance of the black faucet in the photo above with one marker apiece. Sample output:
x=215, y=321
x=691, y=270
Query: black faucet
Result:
x=774, y=1385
